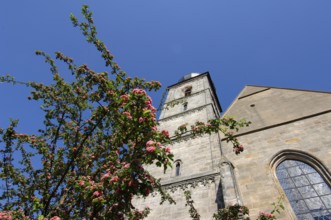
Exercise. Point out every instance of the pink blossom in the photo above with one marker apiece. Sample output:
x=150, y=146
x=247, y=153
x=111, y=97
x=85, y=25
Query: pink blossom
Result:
x=97, y=193
x=6, y=215
x=139, y=91
x=127, y=166
x=55, y=218
x=106, y=175
x=149, y=143
x=154, y=128
x=125, y=97
x=114, y=179
x=20, y=135
x=141, y=120
x=81, y=183
x=266, y=214
x=150, y=149
x=127, y=114
x=153, y=109
x=165, y=133
x=167, y=149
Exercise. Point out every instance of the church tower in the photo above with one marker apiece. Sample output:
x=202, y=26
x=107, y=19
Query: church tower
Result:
x=198, y=161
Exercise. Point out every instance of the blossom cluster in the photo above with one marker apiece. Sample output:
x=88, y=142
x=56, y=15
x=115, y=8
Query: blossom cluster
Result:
x=11, y=215
x=266, y=216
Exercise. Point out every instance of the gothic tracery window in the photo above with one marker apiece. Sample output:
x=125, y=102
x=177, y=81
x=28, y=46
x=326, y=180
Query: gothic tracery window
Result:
x=306, y=190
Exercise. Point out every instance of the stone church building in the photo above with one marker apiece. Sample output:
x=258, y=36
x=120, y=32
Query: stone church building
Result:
x=287, y=152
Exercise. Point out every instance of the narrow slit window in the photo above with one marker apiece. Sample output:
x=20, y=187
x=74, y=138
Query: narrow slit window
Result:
x=177, y=169
x=185, y=106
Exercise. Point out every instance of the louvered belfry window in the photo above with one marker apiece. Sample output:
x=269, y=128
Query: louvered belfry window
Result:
x=308, y=193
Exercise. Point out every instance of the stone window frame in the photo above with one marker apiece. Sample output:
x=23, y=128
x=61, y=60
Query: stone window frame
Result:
x=291, y=154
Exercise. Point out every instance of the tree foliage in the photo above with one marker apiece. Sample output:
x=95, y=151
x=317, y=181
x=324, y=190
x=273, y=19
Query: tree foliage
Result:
x=100, y=130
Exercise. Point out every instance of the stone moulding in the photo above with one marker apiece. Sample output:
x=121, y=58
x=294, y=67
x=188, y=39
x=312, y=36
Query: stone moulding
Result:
x=185, y=97
x=188, y=112
x=191, y=182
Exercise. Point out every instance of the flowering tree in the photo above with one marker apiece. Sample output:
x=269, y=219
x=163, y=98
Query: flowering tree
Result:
x=234, y=212
x=99, y=132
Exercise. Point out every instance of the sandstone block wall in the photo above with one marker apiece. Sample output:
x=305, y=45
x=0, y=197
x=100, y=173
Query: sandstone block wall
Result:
x=257, y=182
x=203, y=194
x=199, y=156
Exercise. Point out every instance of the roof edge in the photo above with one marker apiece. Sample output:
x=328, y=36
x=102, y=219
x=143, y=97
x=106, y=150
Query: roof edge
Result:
x=305, y=90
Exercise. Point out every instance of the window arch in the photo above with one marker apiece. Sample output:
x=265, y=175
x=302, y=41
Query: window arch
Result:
x=306, y=184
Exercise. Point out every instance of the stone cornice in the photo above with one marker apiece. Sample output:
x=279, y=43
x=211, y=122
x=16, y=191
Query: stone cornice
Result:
x=280, y=124
x=186, y=97
x=190, y=181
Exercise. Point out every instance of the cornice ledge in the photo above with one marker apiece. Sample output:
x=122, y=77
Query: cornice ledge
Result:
x=186, y=97
x=190, y=181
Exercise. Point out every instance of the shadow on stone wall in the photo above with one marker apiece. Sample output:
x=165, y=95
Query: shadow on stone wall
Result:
x=220, y=197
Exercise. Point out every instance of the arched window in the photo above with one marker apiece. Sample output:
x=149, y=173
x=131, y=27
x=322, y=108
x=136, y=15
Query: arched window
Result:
x=306, y=190
x=178, y=168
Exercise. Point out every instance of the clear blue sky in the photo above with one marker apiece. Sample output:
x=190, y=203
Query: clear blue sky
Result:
x=284, y=43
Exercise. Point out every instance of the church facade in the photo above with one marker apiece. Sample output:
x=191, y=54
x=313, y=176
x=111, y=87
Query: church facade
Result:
x=287, y=152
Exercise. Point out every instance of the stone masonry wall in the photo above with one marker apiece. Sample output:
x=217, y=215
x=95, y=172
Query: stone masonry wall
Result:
x=199, y=156
x=273, y=106
x=203, y=195
x=256, y=179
